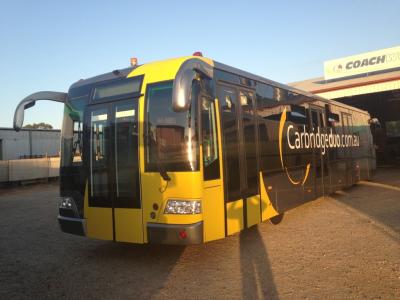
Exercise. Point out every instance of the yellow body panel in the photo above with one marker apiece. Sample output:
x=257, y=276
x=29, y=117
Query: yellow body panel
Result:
x=268, y=211
x=183, y=185
x=98, y=220
x=213, y=207
x=253, y=210
x=99, y=223
x=213, y=197
x=128, y=225
x=163, y=70
x=234, y=211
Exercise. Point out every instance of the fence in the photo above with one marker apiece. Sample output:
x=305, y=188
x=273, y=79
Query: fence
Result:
x=29, y=169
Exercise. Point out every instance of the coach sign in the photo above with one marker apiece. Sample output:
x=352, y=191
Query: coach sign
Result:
x=385, y=59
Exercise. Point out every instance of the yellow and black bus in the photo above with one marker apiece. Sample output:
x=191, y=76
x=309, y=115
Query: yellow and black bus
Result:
x=189, y=150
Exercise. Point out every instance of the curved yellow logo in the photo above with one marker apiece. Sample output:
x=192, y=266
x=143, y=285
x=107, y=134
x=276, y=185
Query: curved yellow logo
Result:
x=281, y=126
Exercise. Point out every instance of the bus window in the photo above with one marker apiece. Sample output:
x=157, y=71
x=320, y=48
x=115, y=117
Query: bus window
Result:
x=249, y=136
x=98, y=155
x=265, y=95
x=171, y=138
x=314, y=119
x=229, y=128
x=72, y=132
x=210, y=140
x=126, y=155
x=77, y=143
x=229, y=105
x=331, y=118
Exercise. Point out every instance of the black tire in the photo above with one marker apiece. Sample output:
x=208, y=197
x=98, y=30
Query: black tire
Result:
x=277, y=219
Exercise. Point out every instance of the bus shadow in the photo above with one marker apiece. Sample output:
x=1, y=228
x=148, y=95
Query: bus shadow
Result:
x=379, y=204
x=124, y=270
x=257, y=278
x=377, y=198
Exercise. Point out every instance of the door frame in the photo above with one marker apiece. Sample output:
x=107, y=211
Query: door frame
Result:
x=111, y=161
x=242, y=172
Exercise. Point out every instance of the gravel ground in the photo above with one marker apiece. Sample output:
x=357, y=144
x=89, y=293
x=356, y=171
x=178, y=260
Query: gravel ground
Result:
x=338, y=247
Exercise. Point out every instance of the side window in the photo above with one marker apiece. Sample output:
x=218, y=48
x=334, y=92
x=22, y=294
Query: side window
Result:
x=265, y=96
x=229, y=127
x=314, y=119
x=267, y=109
x=331, y=118
x=228, y=104
x=249, y=136
x=246, y=102
x=99, y=139
x=210, y=139
x=77, y=141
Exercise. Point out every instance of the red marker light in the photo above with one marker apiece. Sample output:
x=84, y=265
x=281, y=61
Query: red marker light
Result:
x=198, y=53
x=183, y=234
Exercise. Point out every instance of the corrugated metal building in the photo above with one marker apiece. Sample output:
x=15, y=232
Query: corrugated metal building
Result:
x=28, y=143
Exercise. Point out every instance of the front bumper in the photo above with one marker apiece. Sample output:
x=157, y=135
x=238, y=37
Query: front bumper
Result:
x=176, y=234
x=72, y=225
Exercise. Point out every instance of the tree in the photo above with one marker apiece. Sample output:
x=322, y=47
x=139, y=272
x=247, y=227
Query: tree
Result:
x=41, y=125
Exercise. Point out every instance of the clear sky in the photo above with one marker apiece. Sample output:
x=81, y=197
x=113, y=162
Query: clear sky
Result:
x=48, y=45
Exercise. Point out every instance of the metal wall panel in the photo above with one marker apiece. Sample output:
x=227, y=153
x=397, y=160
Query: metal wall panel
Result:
x=54, y=167
x=45, y=143
x=28, y=169
x=29, y=143
x=3, y=171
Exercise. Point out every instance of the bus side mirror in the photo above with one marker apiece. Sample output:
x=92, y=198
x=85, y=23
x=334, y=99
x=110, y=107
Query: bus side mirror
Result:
x=182, y=86
x=30, y=101
x=20, y=112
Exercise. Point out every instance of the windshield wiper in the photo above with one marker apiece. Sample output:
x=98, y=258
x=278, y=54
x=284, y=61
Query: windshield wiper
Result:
x=153, y=145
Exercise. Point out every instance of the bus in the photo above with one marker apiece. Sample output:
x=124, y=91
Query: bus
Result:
x=190, y=150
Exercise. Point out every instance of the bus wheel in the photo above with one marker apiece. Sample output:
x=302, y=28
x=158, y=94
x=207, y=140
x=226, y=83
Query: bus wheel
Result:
x=277, y=219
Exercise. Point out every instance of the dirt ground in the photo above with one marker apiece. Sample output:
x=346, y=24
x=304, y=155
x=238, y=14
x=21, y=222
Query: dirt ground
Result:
x=338, y=247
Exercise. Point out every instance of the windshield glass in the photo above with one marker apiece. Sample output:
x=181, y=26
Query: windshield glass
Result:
x=171, y=139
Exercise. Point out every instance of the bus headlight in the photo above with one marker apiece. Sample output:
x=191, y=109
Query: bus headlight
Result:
x=66, y=202
x=183, y=207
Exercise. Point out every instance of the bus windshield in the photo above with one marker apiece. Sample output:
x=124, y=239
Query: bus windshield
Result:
x=171, y=139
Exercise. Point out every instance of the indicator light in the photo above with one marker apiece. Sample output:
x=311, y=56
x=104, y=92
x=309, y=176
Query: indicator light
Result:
x=134, y=61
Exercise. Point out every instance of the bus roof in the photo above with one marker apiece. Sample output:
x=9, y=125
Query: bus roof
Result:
x=103, y=77
x=229, y=69
x=217, y=65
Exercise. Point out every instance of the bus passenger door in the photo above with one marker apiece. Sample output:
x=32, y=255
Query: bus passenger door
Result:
x=213, y=197
x=233, y=171
x=240, y=158
x=125, y=167
x=250, y=192
x=98, y=205
x=113, y=210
